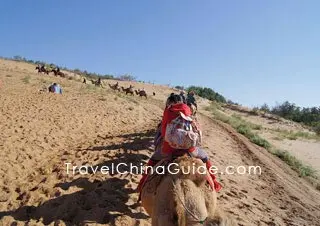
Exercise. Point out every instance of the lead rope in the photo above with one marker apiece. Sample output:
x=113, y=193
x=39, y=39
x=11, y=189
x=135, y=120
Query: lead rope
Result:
x=185, y=207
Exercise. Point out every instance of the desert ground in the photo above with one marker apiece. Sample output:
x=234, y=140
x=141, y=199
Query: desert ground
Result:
x=40, y=132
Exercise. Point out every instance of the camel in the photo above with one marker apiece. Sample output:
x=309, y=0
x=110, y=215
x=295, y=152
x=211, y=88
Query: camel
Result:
x=42, y=69
x=115, y=86
x=57, y=72
x=128, y=90
x=97, y=83
x=141, y=93
x=182, y=199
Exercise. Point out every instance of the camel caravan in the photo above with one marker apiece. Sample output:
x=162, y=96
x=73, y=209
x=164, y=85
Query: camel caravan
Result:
x=129, y=90
x=42, y=69
x=56, y=71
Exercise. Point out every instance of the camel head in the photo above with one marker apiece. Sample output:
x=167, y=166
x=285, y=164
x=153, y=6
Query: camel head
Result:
x=182, y=199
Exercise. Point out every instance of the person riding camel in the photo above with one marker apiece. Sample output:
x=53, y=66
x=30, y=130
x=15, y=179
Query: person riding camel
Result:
x=183, y=96
x=174, y=107
x=191, y=102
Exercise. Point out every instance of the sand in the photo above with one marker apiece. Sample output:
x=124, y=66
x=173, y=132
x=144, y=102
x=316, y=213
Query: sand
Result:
x=41, y=132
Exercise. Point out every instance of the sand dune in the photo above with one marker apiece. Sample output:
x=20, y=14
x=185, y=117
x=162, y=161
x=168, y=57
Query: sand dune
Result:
x=40, y=132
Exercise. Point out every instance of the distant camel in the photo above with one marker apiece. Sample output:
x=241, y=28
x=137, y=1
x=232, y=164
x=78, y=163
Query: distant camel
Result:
x=57, y=72
x=97, y=83
x=154, y=93
x=128, y=90
x=115, y=86
x=141, y=93
x=42, y=69
x=182, y=199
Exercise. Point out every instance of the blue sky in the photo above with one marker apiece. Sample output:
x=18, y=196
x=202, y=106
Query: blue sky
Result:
x=249, y=51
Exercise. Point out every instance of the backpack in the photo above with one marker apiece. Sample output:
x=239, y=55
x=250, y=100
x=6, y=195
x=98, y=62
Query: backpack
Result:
x=183, y=133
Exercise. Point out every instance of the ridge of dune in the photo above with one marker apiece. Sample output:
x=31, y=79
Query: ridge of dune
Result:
x=40, y=132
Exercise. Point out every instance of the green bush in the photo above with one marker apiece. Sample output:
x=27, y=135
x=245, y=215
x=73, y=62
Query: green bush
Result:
x=241, y=126
x=127, y=77
x=179, y=87
x=308, y=116
x=244, y=129
x=260, y=141
x=255, y=111
x=207, y=93
x=316, y=128
x=295, y=164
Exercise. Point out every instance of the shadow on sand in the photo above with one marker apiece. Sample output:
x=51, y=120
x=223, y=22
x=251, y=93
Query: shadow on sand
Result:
x=98, y=201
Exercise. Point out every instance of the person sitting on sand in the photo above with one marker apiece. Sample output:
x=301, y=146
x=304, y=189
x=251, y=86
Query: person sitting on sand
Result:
x=174, y=106
x=55, y=88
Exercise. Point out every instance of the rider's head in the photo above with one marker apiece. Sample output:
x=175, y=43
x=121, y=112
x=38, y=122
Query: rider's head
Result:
x=191, y=92
x=173, y=99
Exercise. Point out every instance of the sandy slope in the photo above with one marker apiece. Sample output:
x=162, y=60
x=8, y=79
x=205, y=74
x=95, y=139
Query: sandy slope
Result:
x=306, y=150
x=276, y=197
x=40, y=132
